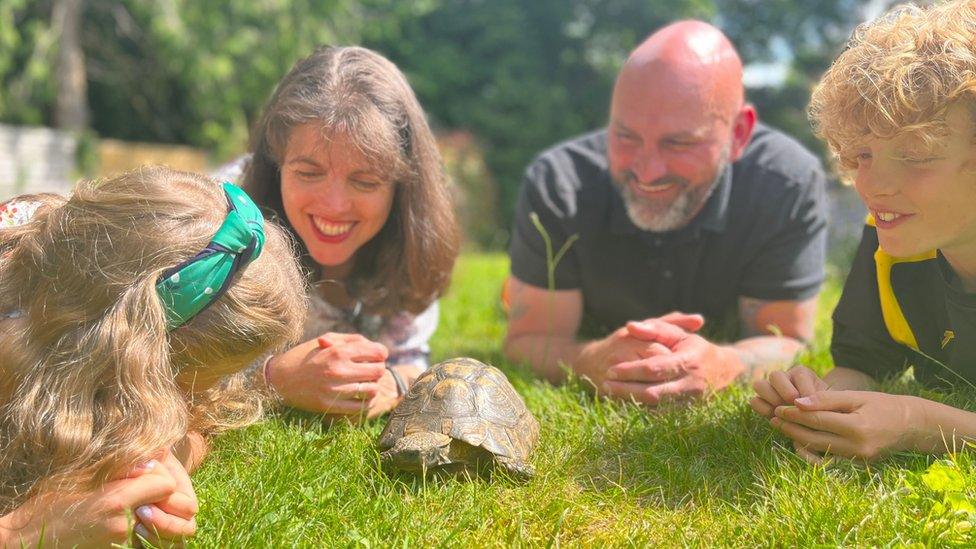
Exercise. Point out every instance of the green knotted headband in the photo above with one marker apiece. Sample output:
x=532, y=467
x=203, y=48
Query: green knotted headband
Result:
x=193, y=285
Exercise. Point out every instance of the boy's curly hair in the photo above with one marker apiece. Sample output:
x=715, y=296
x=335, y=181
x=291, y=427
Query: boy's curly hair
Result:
x=899, y=75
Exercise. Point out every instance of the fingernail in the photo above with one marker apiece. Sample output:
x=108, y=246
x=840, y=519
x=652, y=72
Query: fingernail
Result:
x=605, y=388
x=324, y=343
x=144, y=467
x=142, y=531
x=775, y=421
x=611, y=374
x=144, y=512
x=806, y=401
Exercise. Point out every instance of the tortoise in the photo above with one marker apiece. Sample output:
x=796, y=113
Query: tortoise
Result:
x=460, y=417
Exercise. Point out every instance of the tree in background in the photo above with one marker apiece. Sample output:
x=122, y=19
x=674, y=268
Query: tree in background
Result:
x=71, y=103
x=805, y=38
x=520, y=75
x=182, y=71
x=28, y=46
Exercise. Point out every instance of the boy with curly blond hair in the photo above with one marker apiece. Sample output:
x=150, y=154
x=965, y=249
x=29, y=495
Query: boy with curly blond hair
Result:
x=898, y=110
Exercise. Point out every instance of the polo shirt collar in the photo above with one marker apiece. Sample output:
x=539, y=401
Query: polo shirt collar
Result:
x=713, y=217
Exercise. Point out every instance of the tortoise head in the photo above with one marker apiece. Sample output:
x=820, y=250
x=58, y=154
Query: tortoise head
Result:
x=419, y=452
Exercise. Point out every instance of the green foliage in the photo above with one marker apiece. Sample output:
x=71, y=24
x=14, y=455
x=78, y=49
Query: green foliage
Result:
x=198, y=72
x=944, y=477
x=552, y=261
x=525, y=75
x=27, y=54
x=520, y=75
x=945, y=498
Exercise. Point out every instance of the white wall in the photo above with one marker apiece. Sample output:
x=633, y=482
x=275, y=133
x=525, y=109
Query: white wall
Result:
x=35, y=160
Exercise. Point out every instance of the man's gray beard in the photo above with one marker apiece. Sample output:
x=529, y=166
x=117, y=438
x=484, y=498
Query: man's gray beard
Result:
x=648, y=216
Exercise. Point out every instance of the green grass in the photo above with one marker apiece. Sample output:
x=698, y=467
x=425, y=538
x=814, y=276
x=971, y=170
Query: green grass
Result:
x=607, y=473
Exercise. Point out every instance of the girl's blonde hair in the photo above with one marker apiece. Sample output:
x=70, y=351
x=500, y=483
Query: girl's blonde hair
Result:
x=358, y=93
x=899, y=75
x=88, y=369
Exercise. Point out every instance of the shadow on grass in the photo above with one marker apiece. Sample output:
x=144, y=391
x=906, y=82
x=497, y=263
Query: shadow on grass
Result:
x=717, y=449
x=416, y=484
x=679, y=455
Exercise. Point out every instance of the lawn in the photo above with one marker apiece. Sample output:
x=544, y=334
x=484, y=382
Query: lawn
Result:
x=607, y=473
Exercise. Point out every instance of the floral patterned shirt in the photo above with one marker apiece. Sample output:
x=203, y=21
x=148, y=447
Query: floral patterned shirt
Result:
x=13, y=213
x=404, y=334
x=16, y=212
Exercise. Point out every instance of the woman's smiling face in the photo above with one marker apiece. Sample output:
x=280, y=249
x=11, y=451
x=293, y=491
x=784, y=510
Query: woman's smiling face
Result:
x=333, y=197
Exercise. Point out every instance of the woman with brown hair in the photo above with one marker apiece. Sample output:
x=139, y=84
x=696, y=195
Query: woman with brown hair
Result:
x=128, y=313
x=344, y=157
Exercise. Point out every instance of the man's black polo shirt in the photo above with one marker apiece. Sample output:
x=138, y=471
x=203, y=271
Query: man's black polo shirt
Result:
x=899, y=312
x=761, y=234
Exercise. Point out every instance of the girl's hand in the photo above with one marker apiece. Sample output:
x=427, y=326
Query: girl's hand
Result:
x=334, y=374
x=96, y=519
x=864, y=425
x=164, y=523
x=782, y=388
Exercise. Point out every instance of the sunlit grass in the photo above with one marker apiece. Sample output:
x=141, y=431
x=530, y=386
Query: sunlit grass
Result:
x=607, y=473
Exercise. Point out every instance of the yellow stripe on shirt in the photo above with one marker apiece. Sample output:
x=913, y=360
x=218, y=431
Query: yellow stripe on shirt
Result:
x=894, y=317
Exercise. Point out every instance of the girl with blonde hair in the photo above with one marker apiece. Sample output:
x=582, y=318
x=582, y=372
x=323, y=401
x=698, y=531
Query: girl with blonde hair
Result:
x=898, y=109
x=128, y=310
x=344, y=157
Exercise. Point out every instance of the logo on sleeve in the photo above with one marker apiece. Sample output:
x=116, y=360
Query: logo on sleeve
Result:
x=948, y=336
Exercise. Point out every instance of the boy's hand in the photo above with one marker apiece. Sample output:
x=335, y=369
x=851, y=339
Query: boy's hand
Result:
x=864, y=425
x=782, y=388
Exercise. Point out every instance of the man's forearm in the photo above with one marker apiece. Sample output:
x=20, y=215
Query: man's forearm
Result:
x=762, y=354
x=548, y=356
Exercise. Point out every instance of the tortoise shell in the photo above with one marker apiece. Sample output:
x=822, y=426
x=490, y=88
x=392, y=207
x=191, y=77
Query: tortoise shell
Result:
x=470, y=409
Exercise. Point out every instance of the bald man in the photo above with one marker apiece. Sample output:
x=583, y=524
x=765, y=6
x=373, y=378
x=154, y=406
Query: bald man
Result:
x=684, y=203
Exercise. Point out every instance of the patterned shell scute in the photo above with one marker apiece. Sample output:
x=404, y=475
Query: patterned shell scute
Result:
x=469, y=401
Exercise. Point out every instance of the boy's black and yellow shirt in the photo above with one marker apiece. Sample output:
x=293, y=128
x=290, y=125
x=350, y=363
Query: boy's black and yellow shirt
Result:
x=897, y=312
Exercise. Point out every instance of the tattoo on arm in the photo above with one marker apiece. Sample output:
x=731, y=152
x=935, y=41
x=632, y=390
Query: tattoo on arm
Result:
x=774, y=333
x=749, y=308
x=748, y=359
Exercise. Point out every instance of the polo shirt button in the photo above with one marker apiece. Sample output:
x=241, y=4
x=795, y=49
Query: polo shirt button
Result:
x=667, y=273
x=657, y=242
